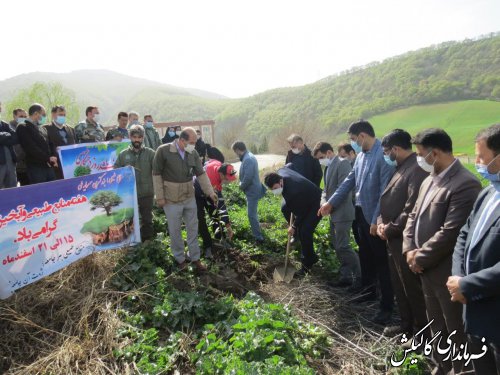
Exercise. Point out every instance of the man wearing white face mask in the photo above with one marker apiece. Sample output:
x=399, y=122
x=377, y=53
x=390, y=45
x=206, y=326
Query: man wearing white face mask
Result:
x=8, y=138
x=302, y=198
x=341, y=218
x=174, y=166
x=444, y=202
x=90, y=130
x=59, y=134
x=476, y=259
x=302, y=160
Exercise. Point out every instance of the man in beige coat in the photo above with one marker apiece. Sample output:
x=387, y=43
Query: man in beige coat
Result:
x=174, y=166
x=444, y=202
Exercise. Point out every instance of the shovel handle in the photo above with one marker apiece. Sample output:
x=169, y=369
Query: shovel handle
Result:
x=288, y=244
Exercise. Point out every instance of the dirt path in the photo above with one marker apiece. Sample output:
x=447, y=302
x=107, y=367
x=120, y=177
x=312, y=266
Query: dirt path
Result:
x=265, y=161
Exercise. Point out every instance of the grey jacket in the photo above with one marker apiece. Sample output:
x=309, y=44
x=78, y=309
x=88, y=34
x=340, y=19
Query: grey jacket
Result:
x=336, y=173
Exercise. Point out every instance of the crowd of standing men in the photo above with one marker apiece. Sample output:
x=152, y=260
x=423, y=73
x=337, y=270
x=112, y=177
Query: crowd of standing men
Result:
x=428, y=236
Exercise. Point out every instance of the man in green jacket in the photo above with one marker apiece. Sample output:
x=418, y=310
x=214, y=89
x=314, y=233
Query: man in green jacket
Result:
x=174, y=166
x=141, y=158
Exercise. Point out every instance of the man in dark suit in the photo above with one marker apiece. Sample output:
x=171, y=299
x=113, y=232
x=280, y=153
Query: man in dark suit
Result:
x=340, y=219
x=8, y=139
x=302, y=160
x=40, y=161
x=302, y=198
x=59, y=134
x=396, y=203
x=444, y=201
x=476, y=259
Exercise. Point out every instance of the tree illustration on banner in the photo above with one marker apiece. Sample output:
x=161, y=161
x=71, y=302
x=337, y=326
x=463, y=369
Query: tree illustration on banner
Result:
x=105, y=199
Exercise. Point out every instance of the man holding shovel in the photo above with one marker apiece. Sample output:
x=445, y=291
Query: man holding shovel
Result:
x=302, y=198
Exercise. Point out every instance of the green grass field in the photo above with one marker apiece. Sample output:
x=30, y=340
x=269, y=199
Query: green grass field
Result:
x=461, y=120
x=100, y=223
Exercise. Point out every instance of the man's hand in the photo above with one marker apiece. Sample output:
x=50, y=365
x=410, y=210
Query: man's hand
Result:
x=161, y=202
x=214, y=198
x=373, y=230
x=410, y=259
x=291, y=231
x=325, y=210
x=53, y=160
x=453, y=285
x=381, y=231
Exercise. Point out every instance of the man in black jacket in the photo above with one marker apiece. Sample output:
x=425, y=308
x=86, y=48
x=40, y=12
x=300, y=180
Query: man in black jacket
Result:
x=8, y=139
x=303, y=199
x=302, y=160
x=40, y=161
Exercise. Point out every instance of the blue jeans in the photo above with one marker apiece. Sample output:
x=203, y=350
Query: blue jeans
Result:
x=252, y=203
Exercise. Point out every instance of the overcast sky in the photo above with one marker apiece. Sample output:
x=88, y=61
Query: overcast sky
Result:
x=231, y=47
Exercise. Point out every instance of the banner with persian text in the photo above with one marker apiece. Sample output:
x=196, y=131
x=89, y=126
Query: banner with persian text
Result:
x=45, y=227
x=88, y=158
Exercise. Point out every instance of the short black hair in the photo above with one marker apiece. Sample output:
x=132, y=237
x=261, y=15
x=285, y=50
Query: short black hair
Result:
x=397, y=137
x=215, y=153
x=434, y=138
x=346, y=147
x=122, y=114
x=35, y=108
x=271, y=179
x=57, y=108
x=492, y=137
x=322, y=147
x=89, y=109
x=361, y=126
x=239, y=145
x=184, y=135
x=147, y=116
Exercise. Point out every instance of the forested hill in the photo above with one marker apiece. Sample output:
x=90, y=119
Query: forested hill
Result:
x=442, y=73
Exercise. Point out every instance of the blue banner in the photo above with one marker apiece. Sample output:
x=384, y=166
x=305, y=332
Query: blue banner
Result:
x=45, y=227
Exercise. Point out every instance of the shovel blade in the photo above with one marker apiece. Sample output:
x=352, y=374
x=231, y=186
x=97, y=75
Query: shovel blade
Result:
x=279, y=274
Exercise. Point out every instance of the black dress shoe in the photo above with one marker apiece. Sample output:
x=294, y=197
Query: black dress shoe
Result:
x=383, y=317
x=302, y=272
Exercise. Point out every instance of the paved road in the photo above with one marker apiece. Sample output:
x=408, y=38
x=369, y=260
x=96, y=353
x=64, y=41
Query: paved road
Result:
x=266, y=161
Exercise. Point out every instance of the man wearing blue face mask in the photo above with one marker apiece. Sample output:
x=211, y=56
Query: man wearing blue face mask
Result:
x=40, y=161
x=341, y=218
x=396, y=203
x=59, y=134
x=476, y=259
x=151, y=137
x=368, y=178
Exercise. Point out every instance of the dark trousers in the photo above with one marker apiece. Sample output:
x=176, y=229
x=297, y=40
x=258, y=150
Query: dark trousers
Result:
x=407, y=289
x=202, y=222
x=374, y=263
x=447, y=315
x=22, y=177
x=305, y=232
x=490, y=362
x=38, y=174
x=146, y=213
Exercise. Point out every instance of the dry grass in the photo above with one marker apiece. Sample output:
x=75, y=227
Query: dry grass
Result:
x=359, y=347
x=63, y=324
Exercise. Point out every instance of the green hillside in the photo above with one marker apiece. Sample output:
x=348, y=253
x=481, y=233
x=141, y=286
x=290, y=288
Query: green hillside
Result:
x=462, y=120
x=452, y=71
